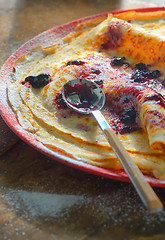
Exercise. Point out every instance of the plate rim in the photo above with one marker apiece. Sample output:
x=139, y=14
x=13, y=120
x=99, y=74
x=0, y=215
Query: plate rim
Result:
x=10, y=118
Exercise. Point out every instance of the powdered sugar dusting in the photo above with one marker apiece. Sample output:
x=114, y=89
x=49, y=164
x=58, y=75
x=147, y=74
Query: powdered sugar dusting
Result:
x=108, y=209
x=38, y=204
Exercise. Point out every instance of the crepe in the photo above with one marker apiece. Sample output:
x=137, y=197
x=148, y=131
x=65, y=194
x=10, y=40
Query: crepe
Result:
x=125, y=54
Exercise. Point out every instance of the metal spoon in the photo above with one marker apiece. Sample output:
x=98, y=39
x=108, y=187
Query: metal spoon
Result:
x=87, y=97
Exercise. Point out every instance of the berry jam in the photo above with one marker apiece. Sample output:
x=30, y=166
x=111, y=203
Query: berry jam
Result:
x=75, y=62
x=158, y=98
x=59, y=101
x=113, y=37
x=136, y=84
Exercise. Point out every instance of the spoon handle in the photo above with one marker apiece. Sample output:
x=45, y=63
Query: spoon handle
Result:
x=146, y=193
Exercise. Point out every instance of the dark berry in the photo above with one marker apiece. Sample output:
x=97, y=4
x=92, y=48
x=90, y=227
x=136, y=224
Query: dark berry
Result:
x=141, y=67
x=128, y=129
x=75, y=62
x=117, y=61
x=151, y=74
x=158, y=98
x=99, y=82
x=153, y=97
x=96, y=71
x=163, y=83
x=129, y=116
x=138, y=76
x=38, y=81
x=59, y=101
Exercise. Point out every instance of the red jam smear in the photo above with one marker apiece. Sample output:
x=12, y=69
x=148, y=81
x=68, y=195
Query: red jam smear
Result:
x=113, y=38
x=75, y=62
x=100, y=70
x=156, y=118
x=121, y=113
x=59, y=102
x=157, y=98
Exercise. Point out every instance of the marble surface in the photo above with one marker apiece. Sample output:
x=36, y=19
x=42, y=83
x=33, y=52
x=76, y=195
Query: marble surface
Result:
x=41, y=198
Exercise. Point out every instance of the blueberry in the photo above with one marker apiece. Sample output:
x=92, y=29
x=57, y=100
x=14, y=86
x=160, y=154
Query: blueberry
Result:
x=163, y=83
x=152, y=74
x=75, y=62
x=99, y=82
x=117, y=61
x=141, y=66
x=96, y=71
x=128, y=129
x=59, y=101
x=129, y=116
x=138, y=76
x=38, y=81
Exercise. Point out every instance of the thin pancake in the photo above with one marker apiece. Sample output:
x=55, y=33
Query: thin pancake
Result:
x=39, y=110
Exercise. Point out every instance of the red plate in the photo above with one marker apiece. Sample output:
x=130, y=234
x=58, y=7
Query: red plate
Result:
x=45, y=39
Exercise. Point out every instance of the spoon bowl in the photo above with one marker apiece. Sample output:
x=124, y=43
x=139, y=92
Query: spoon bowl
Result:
x=85, y=96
